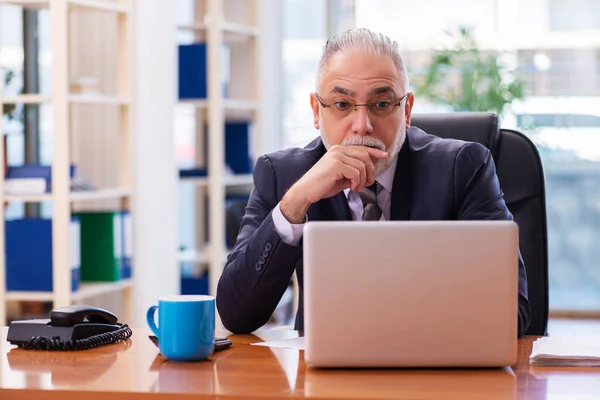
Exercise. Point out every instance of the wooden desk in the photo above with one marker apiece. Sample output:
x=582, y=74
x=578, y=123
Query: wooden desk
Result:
x=136, y=371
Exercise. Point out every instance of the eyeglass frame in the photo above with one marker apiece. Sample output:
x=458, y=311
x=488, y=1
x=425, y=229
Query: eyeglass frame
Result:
x=368, y=105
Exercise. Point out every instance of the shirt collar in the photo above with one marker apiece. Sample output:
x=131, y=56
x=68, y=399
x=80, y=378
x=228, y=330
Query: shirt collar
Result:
x=386, y=178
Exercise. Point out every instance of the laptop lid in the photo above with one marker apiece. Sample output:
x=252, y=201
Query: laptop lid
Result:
x=410, y=293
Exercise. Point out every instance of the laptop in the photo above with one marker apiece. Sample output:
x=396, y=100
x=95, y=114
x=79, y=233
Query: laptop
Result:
x=410, y=293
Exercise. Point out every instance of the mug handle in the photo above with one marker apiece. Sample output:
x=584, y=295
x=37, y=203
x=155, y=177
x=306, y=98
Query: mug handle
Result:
x=150, y=320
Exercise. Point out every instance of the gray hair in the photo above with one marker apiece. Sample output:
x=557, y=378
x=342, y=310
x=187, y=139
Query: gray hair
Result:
x=365, y=41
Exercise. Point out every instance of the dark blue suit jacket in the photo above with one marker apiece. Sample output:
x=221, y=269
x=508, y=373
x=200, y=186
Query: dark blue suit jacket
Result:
x=435, y=179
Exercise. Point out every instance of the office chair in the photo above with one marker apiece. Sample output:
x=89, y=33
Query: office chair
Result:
x=234, y=212
x=521, y=177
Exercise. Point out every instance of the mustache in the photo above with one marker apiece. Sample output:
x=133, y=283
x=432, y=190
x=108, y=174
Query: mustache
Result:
x=367, y=141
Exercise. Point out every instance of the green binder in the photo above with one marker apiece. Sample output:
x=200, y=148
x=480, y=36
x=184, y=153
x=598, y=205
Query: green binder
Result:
x=101, y=248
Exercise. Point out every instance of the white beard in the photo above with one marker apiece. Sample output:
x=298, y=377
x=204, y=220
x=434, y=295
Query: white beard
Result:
x=380, y=164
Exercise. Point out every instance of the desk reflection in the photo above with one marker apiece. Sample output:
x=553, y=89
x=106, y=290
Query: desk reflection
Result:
x=529, y=386
x=272, y=372
x=238, y=370
x=31, y=367
x=411, y=383
x=184, y=377
x=135, y=370
x=566, y=382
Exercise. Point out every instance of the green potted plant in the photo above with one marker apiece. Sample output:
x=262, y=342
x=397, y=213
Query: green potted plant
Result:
x=468, y=79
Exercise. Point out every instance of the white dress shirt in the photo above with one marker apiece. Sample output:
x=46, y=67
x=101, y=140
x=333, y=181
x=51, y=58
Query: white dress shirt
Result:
x=292, y=233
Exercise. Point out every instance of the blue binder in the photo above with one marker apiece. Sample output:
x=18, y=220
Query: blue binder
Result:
x=29, y=256
x=193, y=71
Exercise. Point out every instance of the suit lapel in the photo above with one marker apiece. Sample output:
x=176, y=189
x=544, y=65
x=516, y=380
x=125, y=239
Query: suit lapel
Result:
x=400, y=209
x=340, y=210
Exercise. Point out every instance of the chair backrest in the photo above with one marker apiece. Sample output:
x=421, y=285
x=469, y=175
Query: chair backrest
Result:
x=521, y=177
x=234, y=213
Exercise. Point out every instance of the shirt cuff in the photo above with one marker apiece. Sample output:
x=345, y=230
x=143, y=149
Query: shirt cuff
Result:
x=290, y=233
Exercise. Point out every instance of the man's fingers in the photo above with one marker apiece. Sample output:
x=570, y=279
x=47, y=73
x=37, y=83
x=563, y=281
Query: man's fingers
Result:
x=363, y=155
x=360, y=153
x=351, y=173
x=359, y=165
x=376, y=152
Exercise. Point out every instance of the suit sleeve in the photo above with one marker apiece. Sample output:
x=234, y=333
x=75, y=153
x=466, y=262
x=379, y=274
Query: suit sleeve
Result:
x=478, y=197
x=261, y=264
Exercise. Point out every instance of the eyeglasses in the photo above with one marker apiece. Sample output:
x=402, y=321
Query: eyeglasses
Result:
x=380, y=108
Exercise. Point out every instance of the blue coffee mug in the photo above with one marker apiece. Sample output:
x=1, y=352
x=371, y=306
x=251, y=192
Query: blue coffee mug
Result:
x=186, y=326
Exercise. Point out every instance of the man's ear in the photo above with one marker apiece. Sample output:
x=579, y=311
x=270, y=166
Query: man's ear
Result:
x=314, y=104
x=410, y=99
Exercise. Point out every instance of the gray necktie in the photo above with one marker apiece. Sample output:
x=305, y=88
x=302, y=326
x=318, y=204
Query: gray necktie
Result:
x=371, y=210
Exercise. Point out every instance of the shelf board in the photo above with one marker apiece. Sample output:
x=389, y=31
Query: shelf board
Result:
x=26, y=98
x=227, y=27
x=102, y=194
x=92, y=289
x=233, y=104
x=229, y=104
x=86, y=290
x=98, y=99
x=193, y=27
x=200, y=257
x=28, y=296
x=239, y=180
x=242, y=29
x=90, y=195
x=234, y=180
x=97, y=5
x=30, y=4
x=72, y=98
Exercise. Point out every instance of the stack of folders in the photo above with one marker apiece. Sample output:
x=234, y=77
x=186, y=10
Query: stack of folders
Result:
x=566, y=350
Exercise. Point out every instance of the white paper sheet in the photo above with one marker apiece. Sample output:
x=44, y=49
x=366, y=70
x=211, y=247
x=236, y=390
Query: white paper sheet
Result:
x=297, y=343
x=566, y=350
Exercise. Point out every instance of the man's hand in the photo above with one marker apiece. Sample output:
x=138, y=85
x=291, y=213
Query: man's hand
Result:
x=340, y=168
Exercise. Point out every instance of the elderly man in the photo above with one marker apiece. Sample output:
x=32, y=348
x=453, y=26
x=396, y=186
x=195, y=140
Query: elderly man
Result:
x=368, y=163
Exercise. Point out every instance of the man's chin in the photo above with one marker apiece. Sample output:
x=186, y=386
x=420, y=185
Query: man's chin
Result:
x=381, y=165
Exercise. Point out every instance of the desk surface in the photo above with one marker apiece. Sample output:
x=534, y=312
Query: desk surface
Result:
x=136, y=371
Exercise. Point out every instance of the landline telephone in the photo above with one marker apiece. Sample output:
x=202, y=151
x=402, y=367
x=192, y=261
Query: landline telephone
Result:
x=76, y=327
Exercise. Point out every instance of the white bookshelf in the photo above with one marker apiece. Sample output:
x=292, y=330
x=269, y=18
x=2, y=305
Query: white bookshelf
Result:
x=218, y=22
x=62, y=197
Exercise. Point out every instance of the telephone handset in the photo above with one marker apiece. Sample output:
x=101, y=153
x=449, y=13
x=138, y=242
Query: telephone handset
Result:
x=76, y=327
x=72, y=315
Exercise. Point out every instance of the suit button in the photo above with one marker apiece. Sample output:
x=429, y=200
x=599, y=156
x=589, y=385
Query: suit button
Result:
x=257, y=266
x=265, y=253
x=268, y=246
x=261, y=260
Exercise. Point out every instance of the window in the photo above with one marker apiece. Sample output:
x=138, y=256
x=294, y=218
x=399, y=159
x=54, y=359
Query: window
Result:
x=574, y=14
x=305, y=34
x=555, y=47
